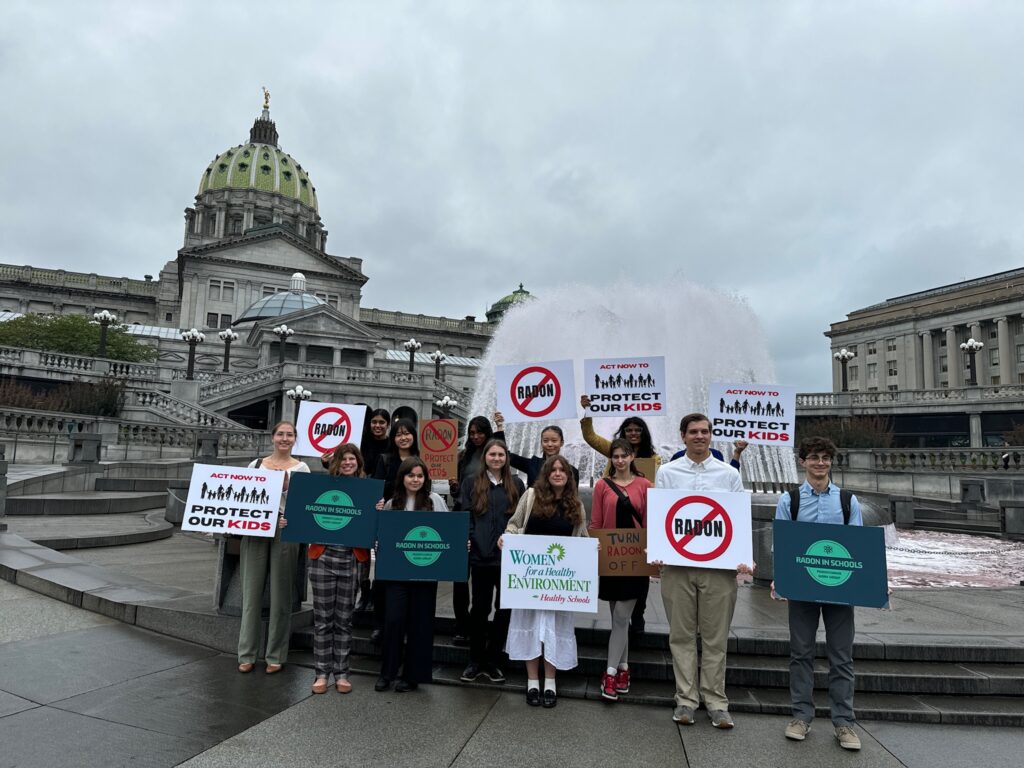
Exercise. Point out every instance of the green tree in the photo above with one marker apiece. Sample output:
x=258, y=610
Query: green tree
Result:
x=849, y=432
x=72, y=335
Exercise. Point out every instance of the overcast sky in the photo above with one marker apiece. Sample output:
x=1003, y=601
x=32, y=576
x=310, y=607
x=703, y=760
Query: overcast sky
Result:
x=810, y=157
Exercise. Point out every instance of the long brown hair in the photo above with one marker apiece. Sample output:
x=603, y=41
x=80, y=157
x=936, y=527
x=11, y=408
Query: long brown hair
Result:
x=482, y=486
x=545, y=503
x=401, y=495
x=626, y=447
x=340, y=452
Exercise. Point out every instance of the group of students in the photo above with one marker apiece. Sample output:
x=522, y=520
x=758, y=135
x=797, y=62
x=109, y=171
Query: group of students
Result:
x=548, y=504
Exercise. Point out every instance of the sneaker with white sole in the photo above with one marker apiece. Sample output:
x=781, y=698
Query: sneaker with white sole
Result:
x=683, y=715
x=847, y=737
x=720, y=718
x=797, y=730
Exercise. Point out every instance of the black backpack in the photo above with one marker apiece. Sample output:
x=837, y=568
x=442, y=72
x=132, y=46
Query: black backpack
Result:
x=844, y=502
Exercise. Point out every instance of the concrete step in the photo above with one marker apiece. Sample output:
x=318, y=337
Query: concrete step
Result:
x=136, y=484
x=88, y=531
x=85, y=503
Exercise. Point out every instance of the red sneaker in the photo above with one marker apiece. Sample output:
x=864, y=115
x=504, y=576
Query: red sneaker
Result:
x=622, y=681
x=608, y=691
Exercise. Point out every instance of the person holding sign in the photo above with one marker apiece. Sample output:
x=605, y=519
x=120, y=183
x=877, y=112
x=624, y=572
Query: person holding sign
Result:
x=332, y=576
x=638, y=434
x=819, y=501
x=550, y=508
x=408, y=639
x=699, y=597
x=551, y=442
x=490, y=498
x=263, y=558
x=620, y=501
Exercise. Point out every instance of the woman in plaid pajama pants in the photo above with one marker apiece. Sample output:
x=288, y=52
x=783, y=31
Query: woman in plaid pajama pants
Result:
x=332, y=575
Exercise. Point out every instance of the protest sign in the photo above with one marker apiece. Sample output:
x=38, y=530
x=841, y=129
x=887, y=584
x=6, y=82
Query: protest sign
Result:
x=625, y=386
x=552, y=573
x=233, y=500
x=705, y=529
x=322, y=427
x=759, y=414
x=439, y=448
x=536, y=391
x=823, y=563
x=422, y=546
x=623, y=552
x=324, y=509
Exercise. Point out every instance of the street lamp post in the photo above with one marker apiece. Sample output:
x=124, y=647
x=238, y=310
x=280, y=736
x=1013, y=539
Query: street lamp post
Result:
x=193, y=338
x=412, y=347
x=104, y=318
x=438, y=357
x=972, y=347
x=844, y=356
x=446, y=404
x=283, y=332
x=297, y=395
x=227, y=336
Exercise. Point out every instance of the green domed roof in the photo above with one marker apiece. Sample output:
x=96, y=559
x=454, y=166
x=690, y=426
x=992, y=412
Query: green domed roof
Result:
x=504, y=304
x=263, y=167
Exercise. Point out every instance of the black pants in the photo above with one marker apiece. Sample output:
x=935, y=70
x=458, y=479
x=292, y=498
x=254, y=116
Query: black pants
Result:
x=487, y=640
x=408, y=640
x=637, y=622
x=460, y=606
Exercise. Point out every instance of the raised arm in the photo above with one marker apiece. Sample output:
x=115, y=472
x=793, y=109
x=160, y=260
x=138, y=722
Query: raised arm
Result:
x=594, y=440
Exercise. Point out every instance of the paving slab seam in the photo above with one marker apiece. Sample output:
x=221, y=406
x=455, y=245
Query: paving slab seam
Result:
x=480, y=722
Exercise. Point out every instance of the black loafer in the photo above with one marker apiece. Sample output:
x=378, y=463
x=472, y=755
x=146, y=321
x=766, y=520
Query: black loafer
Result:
x=550, y=699
x=382, y=684
x=404, y=686
x=533, y=697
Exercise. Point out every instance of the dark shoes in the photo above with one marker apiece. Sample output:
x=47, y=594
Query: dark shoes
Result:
x=471, y=673
x=494, y=674
x=533, y=697
x=375, y=636
x=550, y=699
x=382, y=684
x=404, y=686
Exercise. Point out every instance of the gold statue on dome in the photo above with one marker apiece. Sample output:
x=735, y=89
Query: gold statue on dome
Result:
x=266, y=98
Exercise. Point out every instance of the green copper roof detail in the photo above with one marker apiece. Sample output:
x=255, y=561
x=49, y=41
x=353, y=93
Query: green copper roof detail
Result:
x=262, y=167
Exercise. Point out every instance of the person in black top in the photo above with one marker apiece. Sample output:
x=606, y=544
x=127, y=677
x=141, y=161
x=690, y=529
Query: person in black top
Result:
x=551, y=442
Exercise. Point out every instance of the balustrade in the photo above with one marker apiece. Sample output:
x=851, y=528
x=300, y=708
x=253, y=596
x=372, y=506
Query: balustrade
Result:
x=945, y=460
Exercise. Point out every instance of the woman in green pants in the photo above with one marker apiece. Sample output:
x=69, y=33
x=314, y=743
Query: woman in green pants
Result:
x=261, y=558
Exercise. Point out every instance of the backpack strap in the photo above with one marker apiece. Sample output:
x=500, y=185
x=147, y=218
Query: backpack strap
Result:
x=844, y=501
x=794, y=502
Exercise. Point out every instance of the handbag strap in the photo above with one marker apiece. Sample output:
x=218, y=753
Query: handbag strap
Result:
x=624, y=497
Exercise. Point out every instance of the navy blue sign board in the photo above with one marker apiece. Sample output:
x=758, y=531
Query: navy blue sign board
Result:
x=823, y=563
x=422, y=546
x=324, y=509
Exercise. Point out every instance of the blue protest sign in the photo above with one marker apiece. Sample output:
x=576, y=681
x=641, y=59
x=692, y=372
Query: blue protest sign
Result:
x=823, y=563
x=323, y=509
x=422, y=546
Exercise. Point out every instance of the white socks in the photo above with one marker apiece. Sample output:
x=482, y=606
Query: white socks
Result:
x=549, y=685
x=531, y=684
x=611, y=671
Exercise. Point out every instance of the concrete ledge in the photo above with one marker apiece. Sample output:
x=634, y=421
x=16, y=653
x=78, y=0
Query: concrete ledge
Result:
x=84, y=503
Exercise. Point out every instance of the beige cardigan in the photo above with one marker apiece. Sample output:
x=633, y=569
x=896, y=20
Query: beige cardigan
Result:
x=517, y=523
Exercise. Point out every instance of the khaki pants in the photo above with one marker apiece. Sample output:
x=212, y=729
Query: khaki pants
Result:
x=261, y=559
x=704, y=598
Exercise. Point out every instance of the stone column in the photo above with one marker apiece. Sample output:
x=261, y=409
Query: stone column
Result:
x=1007, y=358
x=975, y=422
x=954, y=359
x=928, y=360
x=981, y=359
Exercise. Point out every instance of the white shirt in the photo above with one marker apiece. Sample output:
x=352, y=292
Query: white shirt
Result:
x=708, y=475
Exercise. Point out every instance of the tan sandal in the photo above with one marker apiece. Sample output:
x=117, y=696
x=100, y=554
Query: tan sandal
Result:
x=343, y=686
x=246, y=667
x=320, y=685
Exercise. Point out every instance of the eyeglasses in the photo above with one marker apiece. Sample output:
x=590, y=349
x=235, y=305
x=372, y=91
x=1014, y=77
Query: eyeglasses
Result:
x=814, y=458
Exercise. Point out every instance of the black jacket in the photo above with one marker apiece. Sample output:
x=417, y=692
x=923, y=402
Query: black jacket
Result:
x=485, y=529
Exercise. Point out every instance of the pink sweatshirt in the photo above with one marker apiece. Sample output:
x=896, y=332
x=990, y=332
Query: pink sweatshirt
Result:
x=602, y=514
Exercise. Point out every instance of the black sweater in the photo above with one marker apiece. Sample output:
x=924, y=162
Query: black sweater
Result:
x=485, y=529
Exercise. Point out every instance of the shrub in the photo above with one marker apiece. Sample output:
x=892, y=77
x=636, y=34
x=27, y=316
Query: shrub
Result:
x=103, y=399
x=72, y=335
x=850, y=432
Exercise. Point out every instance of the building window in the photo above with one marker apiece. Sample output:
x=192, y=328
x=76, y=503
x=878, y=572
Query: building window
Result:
x=168, y=317
x=851, y=373
x=872, y=347
x=222, y=290
x=270, y=290
x=1020, y=353
x=215, y=320
x=942, y=340
x=993, y=332
x=211, y=319
x=995, y=381
x=236, y=225
x=943, y=364
x=328, y=298
x=993, y=356
x=893, y=387
x=852, y=349
x=892, y=368
x=890, y=345
x=872, y=371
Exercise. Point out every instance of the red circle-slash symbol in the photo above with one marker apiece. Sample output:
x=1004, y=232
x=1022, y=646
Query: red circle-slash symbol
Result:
x=680, y=544
x=432, y=436
x=546, y=378
x=317, y=441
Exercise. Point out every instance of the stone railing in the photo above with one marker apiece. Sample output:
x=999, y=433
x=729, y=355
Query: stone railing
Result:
x=92, y=281
x=181, y=374
x=143, y=435
x=904, y=397
x=10, y=356
x=179, y=410
x=945, y=460
x=240, y=382
x=77, y=365
x=62, y=362
x=404, y=319
x=28, y=423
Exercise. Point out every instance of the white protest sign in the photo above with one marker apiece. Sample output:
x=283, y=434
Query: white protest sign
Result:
x=552, y=573
x=536, y=391
x=705, y=529
x=322, y=427
x=625, y=386
x=759, y=414
x=233, y=500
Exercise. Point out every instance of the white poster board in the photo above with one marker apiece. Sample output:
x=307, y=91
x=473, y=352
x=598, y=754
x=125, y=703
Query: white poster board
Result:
x=536, y=391
x=551, y=573
x=625, y=386
x=704, y=529
x=322, y=427
x=234, y=500
x=759, y=414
